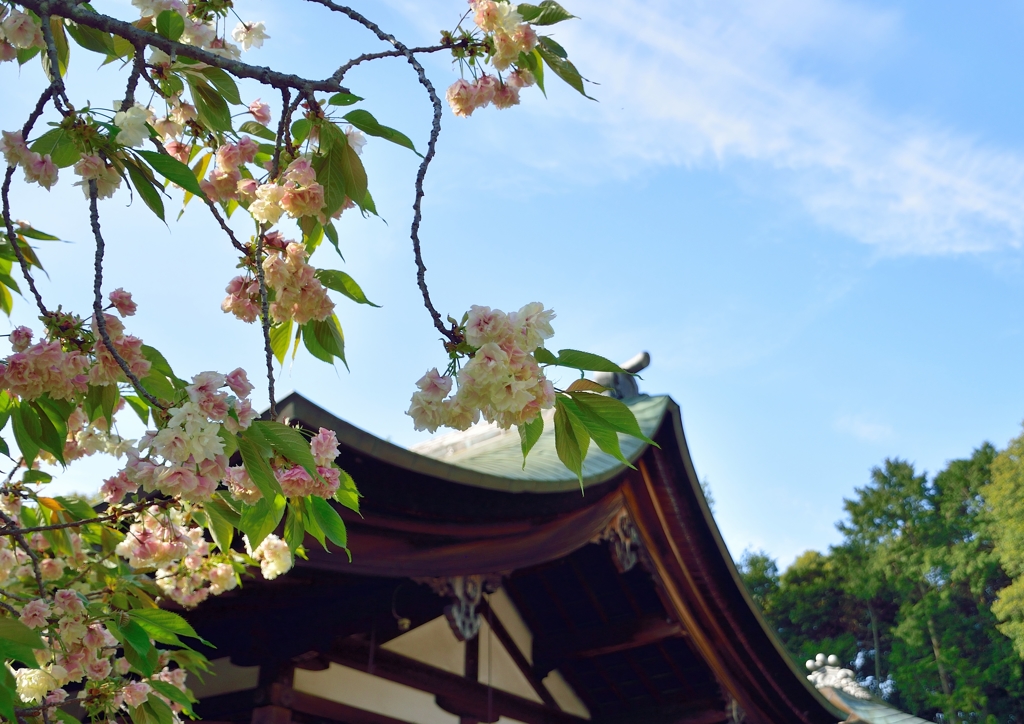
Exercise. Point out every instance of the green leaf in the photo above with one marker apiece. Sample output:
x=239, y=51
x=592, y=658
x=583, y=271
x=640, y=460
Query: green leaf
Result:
x=173, y=693
x=365, y=122
x=257, y=129
x=529, y=434
x=139, y=406
x=146, y=188
x=585, y=361
x=24, y=654
x=257, y=466
x=158, y=386
x=137, y=647
x=288, y=442
x=159, y=710
x=260, y=520
x=585, y=385
x=158, y=362
x=91, y=39
x=329, y=520
x=19, y=633
x=170, y=25
x=544, y=356
x=213, y=111
x=53, y=426
x=343, y=99
x=36, y=476
x=8, y=698
x=65, y=717
x=324, y=340
x=562, y=67
x=329, y=166
x=158, y=618
x=614, y=413
x=355, y=175
x=60, y=44
x=300, y=130
x=26, y=54
x=27, y=431
x=280, y=337
x=77, y=509
x=332, y=234
x=172, y=169
x=547, y=13
x=339, y=281
x=552, y=46
x=223, y=521
x=600, y=430
x=347, y=493
x=60, y=145
x=570, y=445
x=224, y=83
x=294, y=528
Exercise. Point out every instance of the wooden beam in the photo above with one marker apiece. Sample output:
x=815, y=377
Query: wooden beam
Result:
x=517, y=656
x=548, y=653
x=453, y=692
x=321, y=708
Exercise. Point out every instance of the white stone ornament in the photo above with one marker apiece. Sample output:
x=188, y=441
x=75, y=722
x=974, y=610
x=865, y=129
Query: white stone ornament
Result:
x=826, y=672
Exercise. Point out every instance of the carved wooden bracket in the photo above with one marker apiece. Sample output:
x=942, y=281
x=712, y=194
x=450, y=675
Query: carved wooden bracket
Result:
x=466, y=592
x=624, y=542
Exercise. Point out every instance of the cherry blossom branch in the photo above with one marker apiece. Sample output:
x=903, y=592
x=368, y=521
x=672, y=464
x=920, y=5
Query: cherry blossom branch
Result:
x=120, y=513
x=74, y=10
x=282, y=130
x=97, y=303
x=265, y=323
x=138, y=70
x=56, y=81
x=339, y=74
x=19, y=538
x=435, y=130
x=224, y=225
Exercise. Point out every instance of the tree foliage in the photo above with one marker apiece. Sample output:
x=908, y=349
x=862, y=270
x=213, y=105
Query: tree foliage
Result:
x=906, y=600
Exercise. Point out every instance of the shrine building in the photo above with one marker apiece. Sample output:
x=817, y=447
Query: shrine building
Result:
x=483, y=591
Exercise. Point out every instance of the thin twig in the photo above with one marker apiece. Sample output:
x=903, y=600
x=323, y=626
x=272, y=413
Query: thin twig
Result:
x=282, y=131
x=339, y=74
x=79, y=523
x=56, y=81
x=97, y=302
x=21, y=541
x=5, y=193
x=224, y=225
x=435, y=130
x=138, y=69
x=265, y=323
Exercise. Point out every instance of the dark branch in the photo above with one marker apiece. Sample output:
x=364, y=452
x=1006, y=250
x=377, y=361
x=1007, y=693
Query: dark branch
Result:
x=73, y=10
x=435, y=130
x=97, y=302
x=5, y=192
x=339, y=74
x=265, y=323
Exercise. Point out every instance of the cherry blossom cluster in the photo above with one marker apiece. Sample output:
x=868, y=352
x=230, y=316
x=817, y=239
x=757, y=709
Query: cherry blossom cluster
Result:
x=295, y=481
x=203, y=34
x=61, y=369
x=510, y=37
x=185, y=459
x=298, y=294
x=18, y=31
x=502, y=380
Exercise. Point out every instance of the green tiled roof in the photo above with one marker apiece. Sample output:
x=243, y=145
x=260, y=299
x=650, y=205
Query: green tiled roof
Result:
x=489, y=450
x=870, y=711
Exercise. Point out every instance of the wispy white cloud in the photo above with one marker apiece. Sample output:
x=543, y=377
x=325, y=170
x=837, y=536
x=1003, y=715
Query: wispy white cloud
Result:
x=738, y=84
x=863, y=428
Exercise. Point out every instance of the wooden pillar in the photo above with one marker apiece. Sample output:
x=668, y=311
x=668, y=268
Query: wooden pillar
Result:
x=273, y=713
x=472, y=671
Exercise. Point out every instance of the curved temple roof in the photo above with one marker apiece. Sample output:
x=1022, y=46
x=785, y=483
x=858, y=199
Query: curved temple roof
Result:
x=465, y=505
x=486, y=513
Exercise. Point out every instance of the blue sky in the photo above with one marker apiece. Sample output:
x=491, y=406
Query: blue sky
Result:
x=808, y=211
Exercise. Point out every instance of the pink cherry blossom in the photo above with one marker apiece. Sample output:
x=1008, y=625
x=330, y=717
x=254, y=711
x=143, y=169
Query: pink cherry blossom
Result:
x=239, y=383
x=122, y=302
x=21, y=338
x=260, y=111
x=324, y=446
x=40, y=170
x=34, y=614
